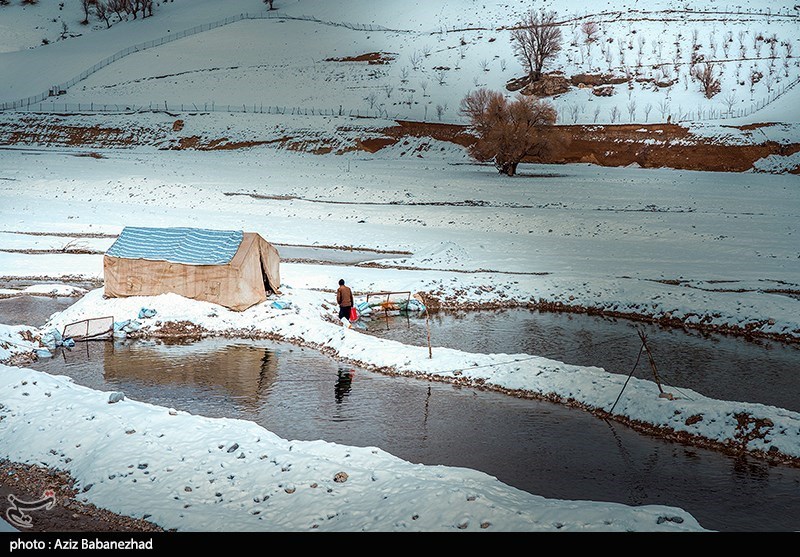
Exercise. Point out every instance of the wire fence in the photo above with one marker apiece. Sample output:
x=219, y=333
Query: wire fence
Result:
x=83, y=108
x=61, y=88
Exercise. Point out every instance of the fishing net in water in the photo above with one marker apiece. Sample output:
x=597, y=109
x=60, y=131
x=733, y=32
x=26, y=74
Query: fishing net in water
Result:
x=88, y=329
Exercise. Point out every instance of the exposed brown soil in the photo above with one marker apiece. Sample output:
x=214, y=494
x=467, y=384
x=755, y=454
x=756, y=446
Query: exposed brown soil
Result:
x=646, y=145
x=369, y=58
x=29, y=482
x=656, y=146
x=221, y=144
x=34, y=130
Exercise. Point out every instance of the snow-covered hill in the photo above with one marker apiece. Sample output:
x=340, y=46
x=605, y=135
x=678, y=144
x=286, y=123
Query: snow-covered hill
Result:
x=425, y=56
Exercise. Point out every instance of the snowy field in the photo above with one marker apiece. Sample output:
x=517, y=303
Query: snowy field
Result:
x=696, y=248
x=593, y=237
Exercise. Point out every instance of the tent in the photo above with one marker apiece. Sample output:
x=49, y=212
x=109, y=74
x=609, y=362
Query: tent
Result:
x=228, y=267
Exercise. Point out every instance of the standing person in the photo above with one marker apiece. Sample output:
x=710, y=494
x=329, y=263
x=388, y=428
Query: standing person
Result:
x=344, y=297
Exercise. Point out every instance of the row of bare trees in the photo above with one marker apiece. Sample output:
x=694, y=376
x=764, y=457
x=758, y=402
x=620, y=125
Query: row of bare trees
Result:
x=105, y=10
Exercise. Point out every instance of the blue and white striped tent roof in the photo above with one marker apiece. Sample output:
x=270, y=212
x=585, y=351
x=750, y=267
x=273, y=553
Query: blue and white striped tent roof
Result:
x=190, y=246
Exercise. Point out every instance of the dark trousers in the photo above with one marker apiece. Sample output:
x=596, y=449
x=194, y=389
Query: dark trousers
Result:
x=344, y=311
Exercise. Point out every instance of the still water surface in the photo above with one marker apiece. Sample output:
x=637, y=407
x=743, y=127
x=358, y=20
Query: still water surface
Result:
x=540, y=447
x=718, y=366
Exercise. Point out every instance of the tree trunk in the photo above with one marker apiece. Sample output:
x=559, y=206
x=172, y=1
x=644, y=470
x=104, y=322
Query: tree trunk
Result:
x=507, y=168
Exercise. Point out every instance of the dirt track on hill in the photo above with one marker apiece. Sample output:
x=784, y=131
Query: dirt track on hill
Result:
x=645, y=145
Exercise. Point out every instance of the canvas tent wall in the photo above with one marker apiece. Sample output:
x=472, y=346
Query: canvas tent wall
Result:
x=228, y=267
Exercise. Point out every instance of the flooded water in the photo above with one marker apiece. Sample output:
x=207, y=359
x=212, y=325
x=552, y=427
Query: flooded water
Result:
x=540, y=447
x=31, y=310
x=718, y=366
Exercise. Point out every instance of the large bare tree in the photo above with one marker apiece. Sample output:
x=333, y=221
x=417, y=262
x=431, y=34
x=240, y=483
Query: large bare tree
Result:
x=507, y=131
x=536, y=40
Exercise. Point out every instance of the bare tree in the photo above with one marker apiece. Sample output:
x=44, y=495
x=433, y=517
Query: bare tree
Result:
x=573, y=113
x=440, y=110
x=269, y=4
x=773, y=45
x=507, y=131
x=119, y=7
x=86, y=4
x=647, y=108
x=536, y=41
x=729, y=100
x=614, y=114
x=663, y=108
x=709, y=81
x=632, y=110
x=755, y=77
x=103, y=12
x=590, y=30
x=415, y=58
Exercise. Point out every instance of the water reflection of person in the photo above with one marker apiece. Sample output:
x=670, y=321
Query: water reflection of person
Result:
x=343, y=384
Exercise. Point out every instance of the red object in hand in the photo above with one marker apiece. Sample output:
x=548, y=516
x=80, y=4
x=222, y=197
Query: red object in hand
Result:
x=353, y=314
